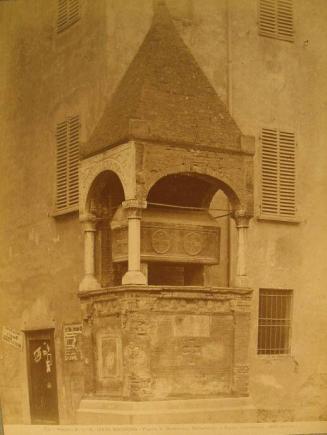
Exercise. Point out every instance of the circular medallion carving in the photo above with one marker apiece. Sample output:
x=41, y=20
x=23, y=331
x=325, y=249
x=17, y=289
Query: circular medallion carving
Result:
x=193, y=243
x=160, y=240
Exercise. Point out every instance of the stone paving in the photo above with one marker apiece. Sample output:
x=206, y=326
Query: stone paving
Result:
x=297, y=428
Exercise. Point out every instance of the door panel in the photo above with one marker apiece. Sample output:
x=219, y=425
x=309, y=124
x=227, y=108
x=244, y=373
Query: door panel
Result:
x=41, y=364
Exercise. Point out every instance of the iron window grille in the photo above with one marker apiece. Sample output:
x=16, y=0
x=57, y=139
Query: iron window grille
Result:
x=276, y=19
x=274, y=329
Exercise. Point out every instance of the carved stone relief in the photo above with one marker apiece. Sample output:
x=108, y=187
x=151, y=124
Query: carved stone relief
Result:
x=155, y=338
x=171, y=243
x=120, y=160
x=193, y=243
x=161, y=241
x=233, y=169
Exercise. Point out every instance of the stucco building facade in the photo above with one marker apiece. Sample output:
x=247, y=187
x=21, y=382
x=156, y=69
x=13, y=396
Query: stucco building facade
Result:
x=163, y=219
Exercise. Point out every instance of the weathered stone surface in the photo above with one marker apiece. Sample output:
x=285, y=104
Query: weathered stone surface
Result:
x=175, y=237
x=231, y=172
x=145, y=351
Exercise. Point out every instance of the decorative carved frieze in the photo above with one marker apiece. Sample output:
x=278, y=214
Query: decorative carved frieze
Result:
x=120, y=160
x=233, y=170
x=171, y=243
x=160, y=304
x=161, y=241
x=167, y=301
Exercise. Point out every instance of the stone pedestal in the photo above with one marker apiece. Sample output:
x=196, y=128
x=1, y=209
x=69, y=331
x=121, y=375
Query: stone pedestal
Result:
x=151, y=344
x=222, y=410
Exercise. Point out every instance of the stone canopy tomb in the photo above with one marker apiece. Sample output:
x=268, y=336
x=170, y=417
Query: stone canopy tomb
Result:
x=155, y=331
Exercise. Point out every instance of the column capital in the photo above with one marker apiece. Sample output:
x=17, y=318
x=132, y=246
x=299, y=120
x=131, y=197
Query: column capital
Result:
x=87, y=217
x=134, y=208
x=88, y=220
x=134, y=203
x=241, y=218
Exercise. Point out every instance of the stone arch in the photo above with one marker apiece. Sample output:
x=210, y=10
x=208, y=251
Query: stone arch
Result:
x=90, y=174
x=202, y=173
x=110, y=181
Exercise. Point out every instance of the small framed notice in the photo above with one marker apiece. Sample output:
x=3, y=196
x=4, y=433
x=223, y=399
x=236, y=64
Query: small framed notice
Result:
x=72, y=335
x=12, y=337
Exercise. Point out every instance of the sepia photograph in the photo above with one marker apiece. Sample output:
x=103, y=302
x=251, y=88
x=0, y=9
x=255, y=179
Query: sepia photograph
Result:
x=163, y=224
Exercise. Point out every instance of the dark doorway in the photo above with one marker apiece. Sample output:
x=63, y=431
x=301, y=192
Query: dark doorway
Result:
x=41, y=367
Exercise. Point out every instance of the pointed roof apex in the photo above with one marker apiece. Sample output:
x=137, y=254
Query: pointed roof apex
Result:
x=161, y=16
x=158, y=4
x=159, y=9
x=164, y=97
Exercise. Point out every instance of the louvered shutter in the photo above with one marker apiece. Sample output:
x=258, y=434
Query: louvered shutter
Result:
x=285, y=29
x=287, y=174
x=269, y=168
x=62, y=20
x=276, y=19
x=67, y=163
x=278, y=173
x=73, y=11
x=68, y=14
x=62, y=157
x=267, y=17
x=73, y=159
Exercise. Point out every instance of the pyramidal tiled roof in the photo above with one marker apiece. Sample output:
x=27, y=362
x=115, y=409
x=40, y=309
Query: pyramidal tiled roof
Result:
x=164, y=97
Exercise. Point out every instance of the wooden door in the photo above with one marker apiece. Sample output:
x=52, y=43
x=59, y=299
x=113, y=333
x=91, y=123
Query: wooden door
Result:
x=41, y=365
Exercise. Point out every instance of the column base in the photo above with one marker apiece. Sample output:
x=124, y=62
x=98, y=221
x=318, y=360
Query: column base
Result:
x=97, y=411
x=89, y=283
x=241, y=281
x=134, y=277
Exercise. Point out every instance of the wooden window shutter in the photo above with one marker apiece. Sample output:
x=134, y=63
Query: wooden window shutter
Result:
x=276, y=19
x=285, y=26
x=278, y=173
x=269, y=172
x=67, y=164
x=73, y=11
x=68, y=14
x=287, y=174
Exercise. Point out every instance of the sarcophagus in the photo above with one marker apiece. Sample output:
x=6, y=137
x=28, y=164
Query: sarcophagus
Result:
x=169, y=235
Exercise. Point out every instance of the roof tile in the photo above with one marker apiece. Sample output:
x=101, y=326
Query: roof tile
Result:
x=164, y=96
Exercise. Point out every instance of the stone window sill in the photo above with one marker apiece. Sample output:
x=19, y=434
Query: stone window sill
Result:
x=64, y=211
x=281, y=356
x=280, y=219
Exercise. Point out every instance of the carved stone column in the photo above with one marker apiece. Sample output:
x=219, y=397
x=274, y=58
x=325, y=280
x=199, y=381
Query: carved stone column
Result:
x=89, y=282
x=134, y=274
x=242, y=224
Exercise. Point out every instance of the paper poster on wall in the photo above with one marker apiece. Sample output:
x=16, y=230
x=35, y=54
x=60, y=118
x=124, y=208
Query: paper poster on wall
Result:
x=12, y=337
x=72, y=333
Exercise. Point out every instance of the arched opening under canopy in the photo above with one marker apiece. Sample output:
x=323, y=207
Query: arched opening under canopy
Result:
x=193, y=211
x=105, y=197
x=105, y=194
x=189, y=190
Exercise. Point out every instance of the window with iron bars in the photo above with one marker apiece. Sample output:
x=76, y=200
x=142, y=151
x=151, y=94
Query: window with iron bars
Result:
x=274, y=329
